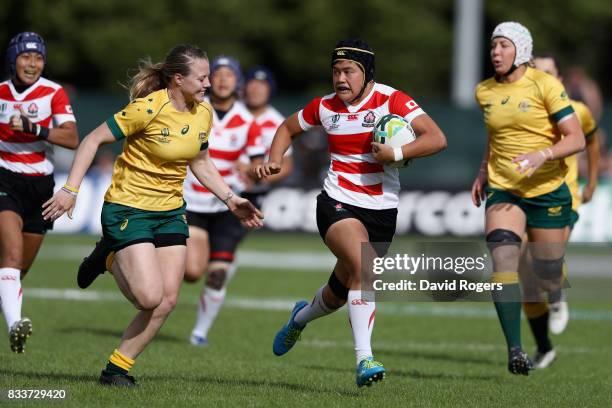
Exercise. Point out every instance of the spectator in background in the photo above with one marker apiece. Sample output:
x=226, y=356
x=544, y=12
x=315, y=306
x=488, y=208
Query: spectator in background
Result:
x=35, y=114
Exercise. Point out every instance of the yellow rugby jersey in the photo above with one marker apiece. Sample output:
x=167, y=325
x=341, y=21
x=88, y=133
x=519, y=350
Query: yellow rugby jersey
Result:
x=520, y=118
x=589, y=126
x=159, y=143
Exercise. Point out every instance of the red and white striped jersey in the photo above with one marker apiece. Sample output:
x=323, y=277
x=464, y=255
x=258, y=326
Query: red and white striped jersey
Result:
x=230, y=137
x=354, y=177
x=269, y=121
x=45, y=103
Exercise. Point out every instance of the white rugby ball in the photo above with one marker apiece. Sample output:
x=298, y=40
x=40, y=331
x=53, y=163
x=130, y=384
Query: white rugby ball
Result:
x=394, y=131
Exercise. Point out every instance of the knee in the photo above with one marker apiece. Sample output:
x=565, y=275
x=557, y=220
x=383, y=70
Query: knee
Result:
x=148, y=301
x=503, y=244
x=167, y=305
x=216, y=278
x=548, y=269
x=192, y=275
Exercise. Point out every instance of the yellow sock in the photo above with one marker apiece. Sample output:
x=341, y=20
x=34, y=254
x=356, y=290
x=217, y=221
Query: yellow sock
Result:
x=120, y=360
x=505, y=277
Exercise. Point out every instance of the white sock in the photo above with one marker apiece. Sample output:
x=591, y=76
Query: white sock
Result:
x=211, y=301
x=10, y=293
x=361, y=317
x=314, y=310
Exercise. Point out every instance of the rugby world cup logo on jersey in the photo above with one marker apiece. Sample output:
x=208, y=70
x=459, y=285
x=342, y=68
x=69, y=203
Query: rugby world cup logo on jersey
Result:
x=335, y=119
x=202, y=137
x=369, y=119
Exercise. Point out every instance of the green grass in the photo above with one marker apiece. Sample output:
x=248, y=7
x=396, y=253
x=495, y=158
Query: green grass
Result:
x=433, y=359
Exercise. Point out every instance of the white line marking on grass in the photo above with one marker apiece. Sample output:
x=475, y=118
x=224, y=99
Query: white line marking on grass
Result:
x=450, y=346
x=277, y=304
x=579, y=265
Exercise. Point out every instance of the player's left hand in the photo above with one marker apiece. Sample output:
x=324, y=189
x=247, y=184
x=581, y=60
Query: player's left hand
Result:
x=529, y=163
x=249, y=215
x=587, y=193
x=57, y=205
x=383, y=154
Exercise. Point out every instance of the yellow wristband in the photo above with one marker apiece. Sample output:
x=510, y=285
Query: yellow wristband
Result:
x=70, y=188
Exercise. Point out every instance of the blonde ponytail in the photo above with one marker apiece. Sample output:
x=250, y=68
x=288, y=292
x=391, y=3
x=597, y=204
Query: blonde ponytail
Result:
x=153, y=77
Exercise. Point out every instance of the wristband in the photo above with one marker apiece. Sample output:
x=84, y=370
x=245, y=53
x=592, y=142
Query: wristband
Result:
x=227, y=197
x=398, y=154
x=70, y=188
x=42, y=132
x=72, y=193
x=549, y=150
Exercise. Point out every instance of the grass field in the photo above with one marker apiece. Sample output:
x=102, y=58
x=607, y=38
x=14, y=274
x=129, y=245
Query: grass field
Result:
x=436, y=354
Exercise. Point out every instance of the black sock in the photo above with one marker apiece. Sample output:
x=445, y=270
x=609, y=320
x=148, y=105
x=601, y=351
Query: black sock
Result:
x=539, y=328
x=114, y=369
x=555, y=296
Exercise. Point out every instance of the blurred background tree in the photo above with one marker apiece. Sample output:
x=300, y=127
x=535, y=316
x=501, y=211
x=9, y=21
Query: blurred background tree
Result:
x=94, y=44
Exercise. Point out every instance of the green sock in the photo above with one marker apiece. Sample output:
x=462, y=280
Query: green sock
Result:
x=508, y=306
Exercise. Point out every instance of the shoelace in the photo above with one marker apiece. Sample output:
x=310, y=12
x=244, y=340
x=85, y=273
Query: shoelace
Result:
x=367, y=364
x=292, y=336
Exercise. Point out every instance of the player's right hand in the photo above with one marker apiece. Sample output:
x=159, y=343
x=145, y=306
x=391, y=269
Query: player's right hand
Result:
x=262, y=171
x=56, y=206
x=478, y=188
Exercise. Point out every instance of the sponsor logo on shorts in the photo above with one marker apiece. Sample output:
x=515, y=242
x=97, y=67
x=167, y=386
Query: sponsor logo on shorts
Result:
x=490, y=194
x=124, y=224
x=339, y=207
x=185, y=218
x=554, y=211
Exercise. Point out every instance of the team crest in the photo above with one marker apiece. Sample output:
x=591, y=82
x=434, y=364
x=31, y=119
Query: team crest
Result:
x=369, y=119
x=164, y=137
x=524, y=106
x=32, y=110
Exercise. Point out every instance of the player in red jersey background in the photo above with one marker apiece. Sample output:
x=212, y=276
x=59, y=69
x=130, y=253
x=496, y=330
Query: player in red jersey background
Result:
x=35, y=114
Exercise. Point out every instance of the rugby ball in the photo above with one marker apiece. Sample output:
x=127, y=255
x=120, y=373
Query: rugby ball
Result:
x=395, y=131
